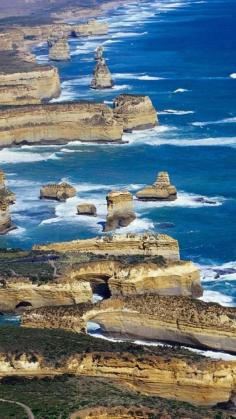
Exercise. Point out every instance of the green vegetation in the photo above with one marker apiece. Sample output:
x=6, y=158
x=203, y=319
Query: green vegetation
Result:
x=55, y=344
x=57, y=398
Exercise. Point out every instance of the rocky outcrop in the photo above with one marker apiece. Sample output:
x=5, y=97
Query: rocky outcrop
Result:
x=86, y=209
x=24, y=82
x=59, y=49
x=135, y=111
x=99, y=53
x=5, y=42
x=59, y=123
x=7, y=198
x=120, y=211
x=92, y=27
x=59, y=192
x=170, y=319
x=161, y=190
x=19, y=293
x=129, y=244
x=117, y=412
x=163, y=372
x=102, y=78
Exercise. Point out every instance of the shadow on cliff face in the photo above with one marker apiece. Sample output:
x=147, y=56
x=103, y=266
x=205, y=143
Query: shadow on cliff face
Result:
x=100, y=288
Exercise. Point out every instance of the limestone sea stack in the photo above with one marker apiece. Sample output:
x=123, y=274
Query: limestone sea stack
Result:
x=59, y=49
x=59, y=123
x=135, y=112
x=59, y=192
x=120, y=211
x=7, y=198
x=161, y=190
x=87, y=209
x=99, y=53
x=102, y=78
x=121, y=245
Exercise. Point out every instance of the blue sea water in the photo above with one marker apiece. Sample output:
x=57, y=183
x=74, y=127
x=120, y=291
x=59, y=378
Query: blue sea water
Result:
x=183, y=55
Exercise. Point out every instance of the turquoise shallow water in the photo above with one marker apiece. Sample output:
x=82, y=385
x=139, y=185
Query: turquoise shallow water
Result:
x=182, y=54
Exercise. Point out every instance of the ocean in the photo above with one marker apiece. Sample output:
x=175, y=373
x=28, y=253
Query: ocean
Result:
x=183, y=55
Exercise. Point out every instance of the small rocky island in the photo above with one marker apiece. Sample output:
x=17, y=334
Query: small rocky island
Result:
x=59, y=192
x=87, y=209
x=59, y=49
x=161, y=190
x=102, y=78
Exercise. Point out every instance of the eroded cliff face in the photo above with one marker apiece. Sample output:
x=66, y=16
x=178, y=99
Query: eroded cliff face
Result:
x=7, y=198
x=18, y=294
x=102, y=78
x=129, y=244
x=59, y=49
x=23, y=82
x=57, y=123
x=120, y=210
x=118, y=412
x=135, y=111
x=59, y=192
x=173, y=319
x=176, y=376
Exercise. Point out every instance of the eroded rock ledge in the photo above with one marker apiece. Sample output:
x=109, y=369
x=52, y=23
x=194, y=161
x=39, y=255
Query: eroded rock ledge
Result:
x=129, y=244
x=23, y=82
x=164, y=372
x=148, y=317
x=7, y=198
x=55, y=123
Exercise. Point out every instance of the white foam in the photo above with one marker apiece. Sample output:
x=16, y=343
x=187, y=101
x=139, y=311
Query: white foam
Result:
x=233, y=76
x=184, y=199
x=217, y=297
x=152, y=138
x=218, y=122
x=214, y=273
x=128, y=34
x=17, y=232
x=180, y=90
x=135, y=76
x=175, y=112
x=16, y=156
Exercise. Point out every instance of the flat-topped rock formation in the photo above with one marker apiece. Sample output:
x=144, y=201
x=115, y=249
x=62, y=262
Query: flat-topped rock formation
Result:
x=92, y=27
x=7, y=198
x=173, y=374
x=120, y=210
x=59, y=49
x=59, y=192
x=59, y=123
x=24, y=82
x=129, y=244
x=102, y=78
x=87, y=209
x=18, y=293
x=161, y=190
x=135, y=111
x=117, y=412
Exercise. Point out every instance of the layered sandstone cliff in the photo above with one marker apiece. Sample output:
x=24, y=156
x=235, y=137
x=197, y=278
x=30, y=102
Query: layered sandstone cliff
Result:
x=5, y=42
x=173, y=319
x=161, y=190
x=162, y=372
x=135, y=111
x=59, y=192
x=7, y=198
x=23, y=82
x=84, y=121
x=117, y=412
x=102, y=78
x=19, y=294
x=59, y=49
x=129, y=244
x=120, y=210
